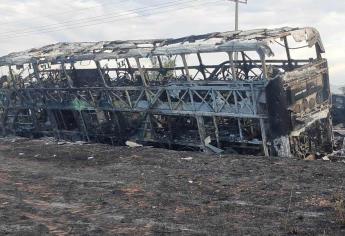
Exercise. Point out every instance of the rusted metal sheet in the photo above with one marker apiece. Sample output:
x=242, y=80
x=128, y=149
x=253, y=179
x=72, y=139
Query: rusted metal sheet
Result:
x=167, y=93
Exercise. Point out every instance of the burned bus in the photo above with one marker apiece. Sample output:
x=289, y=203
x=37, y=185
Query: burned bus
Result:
x=261, y=92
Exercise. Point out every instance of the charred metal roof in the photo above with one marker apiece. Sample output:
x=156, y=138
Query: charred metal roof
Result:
x=231, y=41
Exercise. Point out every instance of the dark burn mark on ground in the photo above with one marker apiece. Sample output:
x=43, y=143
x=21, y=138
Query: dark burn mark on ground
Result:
x=145, y=191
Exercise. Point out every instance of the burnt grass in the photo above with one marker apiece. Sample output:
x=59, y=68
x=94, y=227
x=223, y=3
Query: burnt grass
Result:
x=93, y=189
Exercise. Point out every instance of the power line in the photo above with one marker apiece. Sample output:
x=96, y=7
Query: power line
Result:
x=82, y=24
x=72, y=21
x=90, y=19
x=100, y=4
x=156, y=10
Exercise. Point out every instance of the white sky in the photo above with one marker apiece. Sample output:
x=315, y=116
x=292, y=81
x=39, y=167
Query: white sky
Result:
x=18, y=16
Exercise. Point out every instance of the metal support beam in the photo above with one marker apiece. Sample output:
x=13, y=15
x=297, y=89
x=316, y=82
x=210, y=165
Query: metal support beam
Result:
x=215, y=123
x=201, y=130
x=160, y=63
x=232, y=65
x=264, y=67
x=12, y=77
x=37, y=73
x=202, y=68
x=186, y=69
x=99, y=68
x=240, y=128
x=141, y=71
x=69, y=80
x=287, y=49
x=53, y=123
x=264, y=137
x=130, y=69
x=84, y=127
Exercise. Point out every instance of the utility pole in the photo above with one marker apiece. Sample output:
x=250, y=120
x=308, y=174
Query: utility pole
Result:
x=236, y=15
x=237, y=3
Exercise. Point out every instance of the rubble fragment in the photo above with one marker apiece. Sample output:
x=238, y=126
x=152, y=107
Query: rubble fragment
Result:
x=133, y=144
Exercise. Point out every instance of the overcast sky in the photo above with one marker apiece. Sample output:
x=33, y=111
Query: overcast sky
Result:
x=31, y=23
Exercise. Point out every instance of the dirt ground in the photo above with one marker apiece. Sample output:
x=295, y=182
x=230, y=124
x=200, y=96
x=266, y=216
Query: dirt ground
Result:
x=48, y=188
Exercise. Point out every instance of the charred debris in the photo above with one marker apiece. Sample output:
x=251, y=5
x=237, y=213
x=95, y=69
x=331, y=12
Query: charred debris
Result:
x=248, y=92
